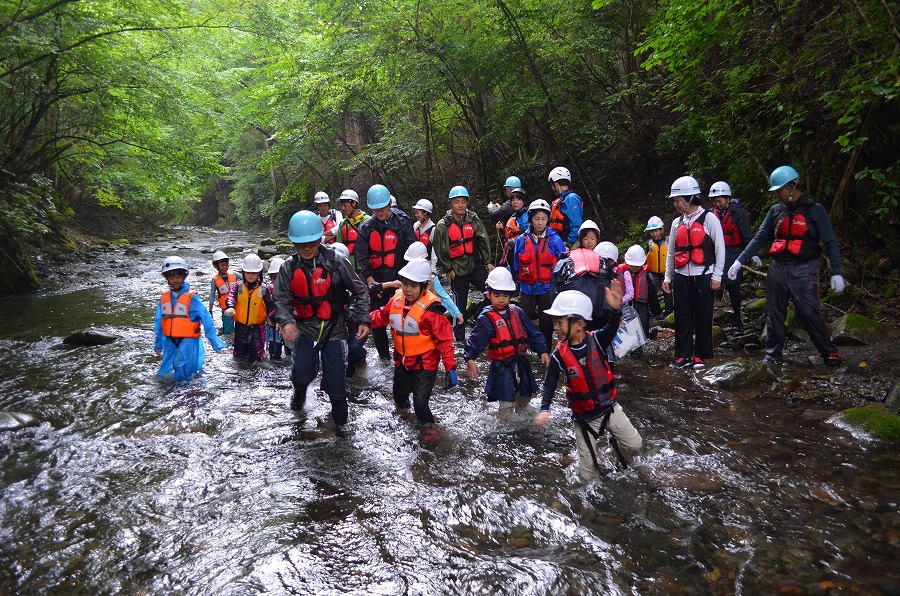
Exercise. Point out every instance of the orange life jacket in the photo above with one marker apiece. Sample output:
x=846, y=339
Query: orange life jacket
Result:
x=311, y=294
x=175, y=321
x=557, y=219
x=585, y=260
x=462, y=238
x=223, y=287
x=536, y=262
x=591, y=387
x=730, y=231
x=656, y=256
x=383, y=249
x=793, y=235
x=249, y=306
x=693, y=245
x=509, y=339
x=405, y=322
x=512, y=229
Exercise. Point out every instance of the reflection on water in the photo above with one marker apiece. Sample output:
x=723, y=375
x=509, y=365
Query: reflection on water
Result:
x=134, y=485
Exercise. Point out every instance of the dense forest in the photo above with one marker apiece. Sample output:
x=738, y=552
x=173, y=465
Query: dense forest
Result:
x=235, y=113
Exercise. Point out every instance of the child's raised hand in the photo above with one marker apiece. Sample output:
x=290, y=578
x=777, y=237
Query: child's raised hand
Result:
x=472, y=369
x=614, y=295
x=545, y=359
x=541, y=419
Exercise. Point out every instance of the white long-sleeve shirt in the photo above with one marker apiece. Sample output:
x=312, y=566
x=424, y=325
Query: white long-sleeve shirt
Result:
x=714, y=230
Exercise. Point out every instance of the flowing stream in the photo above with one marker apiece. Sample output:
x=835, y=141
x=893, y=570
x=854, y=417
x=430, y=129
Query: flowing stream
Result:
x=134, y=485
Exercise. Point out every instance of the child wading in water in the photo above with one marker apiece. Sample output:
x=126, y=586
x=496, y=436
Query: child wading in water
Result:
x=219, y=288
x=590, y=389
x=422, y=338
x=247, y=304
x=273, y=335
x=507, y=333
x=179, y=315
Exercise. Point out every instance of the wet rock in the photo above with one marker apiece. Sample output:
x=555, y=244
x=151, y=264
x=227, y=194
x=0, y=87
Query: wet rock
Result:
x=737, y=374
x=697, y=482
x=857, y=330
x=90, y=338
x=883, y=425
x=16, y=420
x=758, y=305
x=892, y=403
x=718, y=334
x=132, y=251
x=745, y=340
x=669, y=321
x=266, y=252
x=270, y=242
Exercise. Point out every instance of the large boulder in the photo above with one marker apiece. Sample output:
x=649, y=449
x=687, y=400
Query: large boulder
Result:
x=857, y=330
x=881, y=424
x=90, y=338
x=267, y=252
x=736, y=374
x=16, y=420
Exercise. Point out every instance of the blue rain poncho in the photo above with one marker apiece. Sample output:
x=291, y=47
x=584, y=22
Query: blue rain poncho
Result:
x=185, y=358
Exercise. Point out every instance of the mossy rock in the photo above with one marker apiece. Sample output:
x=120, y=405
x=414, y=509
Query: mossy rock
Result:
x=789, y=319
x=761, y=293
x=881, y=424
x=856, y=330
x=718, y=334
x=758, y=305
x=669, y=321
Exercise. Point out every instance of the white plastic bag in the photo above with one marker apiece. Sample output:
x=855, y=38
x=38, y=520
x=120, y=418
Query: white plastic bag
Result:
x=630, y=336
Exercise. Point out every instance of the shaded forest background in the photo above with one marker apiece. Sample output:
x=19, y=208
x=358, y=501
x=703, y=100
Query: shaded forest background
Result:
x=235, y=113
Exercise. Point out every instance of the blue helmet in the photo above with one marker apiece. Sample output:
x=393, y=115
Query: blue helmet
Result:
x=513, y=182
x=305, y=226
x=378, y=196
x=458, y=191
x=781, y=176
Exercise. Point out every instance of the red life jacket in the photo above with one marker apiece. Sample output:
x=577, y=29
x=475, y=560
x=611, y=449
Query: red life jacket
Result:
x=509, y=339
x=328, y=223
x=591, y=387
x=383, y=249
x=536, y=262
x=311, y=293
x=639, y=280
x=424, y=236
x=349, y=234
x=584, y=261
x=462, y=238
x=793, y=235
x=693, y=245
x=730, y=231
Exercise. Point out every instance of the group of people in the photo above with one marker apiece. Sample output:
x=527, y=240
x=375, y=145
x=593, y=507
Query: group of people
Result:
x=355, y=274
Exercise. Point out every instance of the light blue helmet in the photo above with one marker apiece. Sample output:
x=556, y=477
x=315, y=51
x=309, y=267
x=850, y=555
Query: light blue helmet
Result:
x=513, y=182
x=781, y=176
x=458, y=191
x=305, y=226
x=378, y=196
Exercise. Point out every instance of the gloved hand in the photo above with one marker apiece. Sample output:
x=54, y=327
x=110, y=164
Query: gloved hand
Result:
x=756, y=261
x=451, y=379
x=734, y=269
x=837, y=283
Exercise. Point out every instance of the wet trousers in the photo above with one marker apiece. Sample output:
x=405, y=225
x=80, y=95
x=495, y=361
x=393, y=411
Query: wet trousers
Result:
x=305, y=368
x=379, y=335
x=418, y=382
x=656, y=282
x=799, y=282
x=249, y=342
x=620, y=427
x=733, y=287
x=694, y=302
x=459, y=291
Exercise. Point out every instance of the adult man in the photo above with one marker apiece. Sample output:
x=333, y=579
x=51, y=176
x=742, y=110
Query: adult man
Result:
x=567, y=210
x=383, y=238
x=311, y=293
x=693, y=273
x=329, y=217
x=348, y=229
x=796, y=226
x=463, y=251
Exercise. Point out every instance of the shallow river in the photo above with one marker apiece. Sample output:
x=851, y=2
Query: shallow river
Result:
x=133, y=485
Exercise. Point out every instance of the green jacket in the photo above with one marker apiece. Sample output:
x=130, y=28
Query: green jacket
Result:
x=465, y=264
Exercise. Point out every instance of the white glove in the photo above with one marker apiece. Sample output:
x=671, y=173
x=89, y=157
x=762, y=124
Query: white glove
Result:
x=837, y=283
x=756, y=261
x=734, y=269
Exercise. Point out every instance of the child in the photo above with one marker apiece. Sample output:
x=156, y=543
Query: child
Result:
x=177, y=325
x=220, y=286
x=247, y=304
x=417, y=250
x=656, y=264
x=422, y=338
x=506, y=332
x=273, y=334
x=635, y=269
x=590, y=389
x=584, y=270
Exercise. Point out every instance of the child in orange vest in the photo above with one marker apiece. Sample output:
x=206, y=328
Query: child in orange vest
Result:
x=590, y=388
x=422, y=338
x=657, y=252
x=219, y=288
x=247, y=304
x=507, y=333
x=179, y=315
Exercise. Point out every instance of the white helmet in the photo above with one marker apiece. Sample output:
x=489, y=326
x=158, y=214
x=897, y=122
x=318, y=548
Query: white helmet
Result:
x=539, y=205
x=686, y=186
x=607, y=250
x=348, y=195
x=252, y=264
x=654, y=223
x=172, y=263
x=341, y=250
x=418, y=270
x=720, y=189
x=635, y=256
x=321, y=197
x=275, y=265
x=559, y=174
x=393, y=201
x=501, y=280
x=416, y=250
x=424, y=205
x=571, y=303
x=589, y=224
x=219, y=256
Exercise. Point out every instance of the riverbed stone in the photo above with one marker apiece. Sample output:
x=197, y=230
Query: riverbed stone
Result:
x=857, y=330
x=892, y=403
x=266, y=252
x=718, y=334
x=881, y=424
x=16, y=420
x=90, y=338
x=736, y=374
x=758, y=305
x=669, y=321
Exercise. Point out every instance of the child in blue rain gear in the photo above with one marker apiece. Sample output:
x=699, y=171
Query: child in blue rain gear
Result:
x=273, y=335
x=247, y=305
x=220, y=286
x=179, y=315
x=506, y=332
